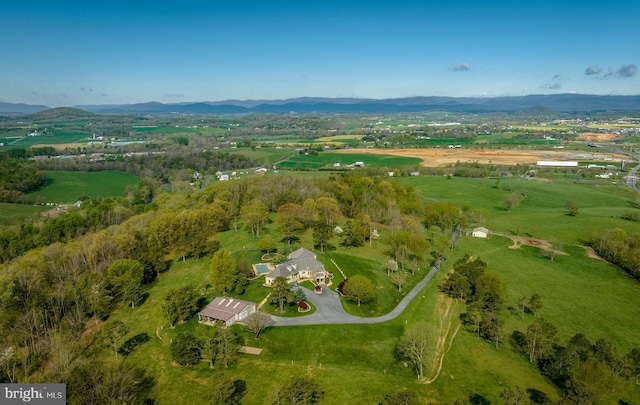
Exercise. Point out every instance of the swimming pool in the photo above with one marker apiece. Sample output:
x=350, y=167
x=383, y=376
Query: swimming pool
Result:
x=262, y=268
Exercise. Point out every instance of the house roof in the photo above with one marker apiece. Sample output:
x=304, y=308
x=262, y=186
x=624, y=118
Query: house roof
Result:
x=301, y=259
x=302, y=253
x=225, y=308
x=481, y=229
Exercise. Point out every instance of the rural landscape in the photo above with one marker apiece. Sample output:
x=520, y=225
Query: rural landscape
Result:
x=424, y=255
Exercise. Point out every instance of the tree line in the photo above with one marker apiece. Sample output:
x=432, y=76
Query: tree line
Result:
x=620, y=248
x=18, y=177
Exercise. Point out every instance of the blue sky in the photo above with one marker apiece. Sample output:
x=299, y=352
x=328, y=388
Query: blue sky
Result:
x=110, y=52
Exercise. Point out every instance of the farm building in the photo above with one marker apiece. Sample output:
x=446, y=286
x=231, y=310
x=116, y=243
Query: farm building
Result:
x=301, y=265
x=556, y=163
x=227, y=310
x=480, y=232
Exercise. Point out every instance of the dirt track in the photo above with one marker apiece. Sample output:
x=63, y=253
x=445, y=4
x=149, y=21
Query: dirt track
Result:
x=436, y=157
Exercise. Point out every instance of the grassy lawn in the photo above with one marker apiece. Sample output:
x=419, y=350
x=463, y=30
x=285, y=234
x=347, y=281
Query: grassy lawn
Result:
x=67, y=187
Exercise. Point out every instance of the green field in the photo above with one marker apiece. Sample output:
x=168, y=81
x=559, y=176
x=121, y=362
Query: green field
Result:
x=327, y=159
x=67, y=187
x=10, y=212
x=263, y=156
x=542, y=212
x=60, y=137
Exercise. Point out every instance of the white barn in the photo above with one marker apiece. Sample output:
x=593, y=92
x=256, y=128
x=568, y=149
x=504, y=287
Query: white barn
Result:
x=480, y=232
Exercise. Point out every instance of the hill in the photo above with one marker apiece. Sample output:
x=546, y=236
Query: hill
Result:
x=59, y=114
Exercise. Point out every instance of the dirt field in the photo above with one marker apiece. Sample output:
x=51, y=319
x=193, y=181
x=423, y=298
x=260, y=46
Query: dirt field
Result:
x=593, y=137
x=436, y=157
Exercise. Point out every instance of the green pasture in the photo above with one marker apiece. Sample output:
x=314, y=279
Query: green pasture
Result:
x=542, y=212
x=58, y=138
x=263, y=156
x=10, y=212
x=67, y=187
x=327, y=159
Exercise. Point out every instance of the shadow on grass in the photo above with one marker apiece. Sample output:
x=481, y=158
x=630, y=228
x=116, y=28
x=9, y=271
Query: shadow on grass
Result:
x=130, y=345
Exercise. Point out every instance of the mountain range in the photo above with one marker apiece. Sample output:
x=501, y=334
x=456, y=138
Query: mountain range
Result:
x=568, y=103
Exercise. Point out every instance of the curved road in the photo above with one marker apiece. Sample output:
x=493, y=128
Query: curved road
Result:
x=329, y=308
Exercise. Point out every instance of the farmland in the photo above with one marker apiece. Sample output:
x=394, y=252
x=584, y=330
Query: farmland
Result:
x=328, y=160
x=173, y=222
x=68, y=187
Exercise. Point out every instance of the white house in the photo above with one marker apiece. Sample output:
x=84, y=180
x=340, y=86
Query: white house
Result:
x=301, y=265
x=227, y=310
x=480, y=232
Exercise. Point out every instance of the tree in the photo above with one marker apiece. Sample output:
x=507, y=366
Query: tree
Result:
x=535, y=303
x=257, y=322
x=321, y=235
x=511, y=201
x=290, y=217
x=632, y=363
x=577, y=393
x=180, y=304
x=457, y=286
x=399, y=278
x=513, y=396
x=225, y=346
x=490, y=292
x=223, y=272
x=403, y=397
x=281, y=292
x=573, y=208
x=491, y=327
x=267, y=244
x=225, y=391
x=359, y=288
x=125, y=278
x=254, y=217
x=114, y=331
x=186, y=349
x=328, y=209
x=540, y=337
x=391, y=266
x=298, y=391
x=413, y=346
x=441, y=246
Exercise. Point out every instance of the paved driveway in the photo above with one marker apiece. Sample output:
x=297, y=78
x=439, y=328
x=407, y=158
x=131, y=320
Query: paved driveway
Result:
x=329, y=308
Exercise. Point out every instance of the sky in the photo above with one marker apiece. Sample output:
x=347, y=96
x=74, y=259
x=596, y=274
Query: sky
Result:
x=67, y=53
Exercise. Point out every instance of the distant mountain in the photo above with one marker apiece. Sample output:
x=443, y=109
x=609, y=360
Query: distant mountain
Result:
x=10, y=108
x=556, y=102
x=59, y=114
x=566, y=103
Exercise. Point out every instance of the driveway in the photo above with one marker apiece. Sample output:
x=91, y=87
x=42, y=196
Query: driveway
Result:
x=329, y=308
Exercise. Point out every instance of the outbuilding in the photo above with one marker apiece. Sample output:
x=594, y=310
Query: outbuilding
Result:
x=480, y=232
x=227, y=310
